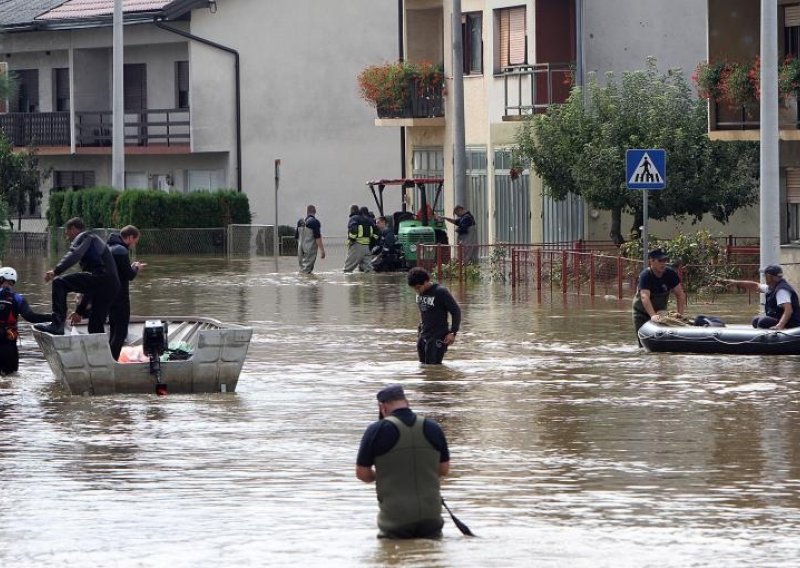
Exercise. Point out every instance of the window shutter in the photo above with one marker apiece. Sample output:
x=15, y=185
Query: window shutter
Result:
x=516, y=45
x=505, y=29
x=791, y=16
x=792, y=185
x=3, y=101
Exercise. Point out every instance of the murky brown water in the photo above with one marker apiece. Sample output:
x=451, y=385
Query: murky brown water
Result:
x=570, y=446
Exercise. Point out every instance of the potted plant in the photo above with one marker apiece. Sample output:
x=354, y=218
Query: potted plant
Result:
x=403, y=89
x=386, y=87
x=737, y=85
x=708, y=78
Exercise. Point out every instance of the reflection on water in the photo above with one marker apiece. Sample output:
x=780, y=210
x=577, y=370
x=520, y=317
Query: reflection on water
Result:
x=570, y=446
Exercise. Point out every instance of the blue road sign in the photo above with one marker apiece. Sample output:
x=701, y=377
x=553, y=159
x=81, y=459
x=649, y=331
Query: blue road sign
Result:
x=646, y=169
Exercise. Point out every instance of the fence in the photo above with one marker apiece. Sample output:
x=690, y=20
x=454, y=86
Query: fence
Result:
x=565, y=268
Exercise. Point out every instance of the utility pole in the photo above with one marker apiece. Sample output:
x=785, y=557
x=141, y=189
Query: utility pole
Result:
x=118, y=106
x=275, y=244
x=770, y=162
x=459, y=147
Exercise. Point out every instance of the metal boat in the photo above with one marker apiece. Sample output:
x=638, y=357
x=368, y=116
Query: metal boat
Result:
x=735, y=339
x=212, y=357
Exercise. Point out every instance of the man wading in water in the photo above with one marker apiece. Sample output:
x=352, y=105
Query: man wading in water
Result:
x=652, y=293
x=405, y=455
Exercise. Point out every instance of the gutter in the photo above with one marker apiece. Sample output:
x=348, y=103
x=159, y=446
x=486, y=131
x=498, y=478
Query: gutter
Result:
x=208, y=42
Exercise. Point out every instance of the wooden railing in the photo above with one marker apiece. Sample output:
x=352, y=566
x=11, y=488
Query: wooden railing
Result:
x=533, y=88
x=152, y=126
x=36, y=128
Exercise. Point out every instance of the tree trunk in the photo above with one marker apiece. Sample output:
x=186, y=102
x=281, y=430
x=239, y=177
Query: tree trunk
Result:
x=616, y=225
x=638, y=223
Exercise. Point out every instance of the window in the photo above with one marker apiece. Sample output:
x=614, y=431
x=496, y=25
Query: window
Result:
x=205, y=180
x=27, y=96
x=61, y=89
x=512, y=45
x=72, y=180
x=791, y=30
x=472, y=37
x=3, y=101
x=181, y=84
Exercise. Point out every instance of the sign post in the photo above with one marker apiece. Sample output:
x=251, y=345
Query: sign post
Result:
x=647, y=170
x=275, y=245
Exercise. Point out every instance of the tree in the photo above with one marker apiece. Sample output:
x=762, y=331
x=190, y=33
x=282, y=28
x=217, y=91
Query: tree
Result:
x=579, y=147
x=20, y=178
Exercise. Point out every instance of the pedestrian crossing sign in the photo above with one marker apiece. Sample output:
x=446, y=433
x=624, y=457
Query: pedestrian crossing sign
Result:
x=646, y=169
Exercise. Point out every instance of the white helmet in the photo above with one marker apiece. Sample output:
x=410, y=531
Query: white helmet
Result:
x=8, y=273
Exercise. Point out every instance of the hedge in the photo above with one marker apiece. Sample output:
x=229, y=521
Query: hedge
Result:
x=106, y=207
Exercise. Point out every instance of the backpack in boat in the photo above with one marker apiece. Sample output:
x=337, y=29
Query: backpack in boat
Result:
x=708, y=321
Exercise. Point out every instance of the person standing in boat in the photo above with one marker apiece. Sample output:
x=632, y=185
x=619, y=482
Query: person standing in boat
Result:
x=13, y=305
x=656, y=282
x=781, y=306
x=309, y=240
x=406, y=455
x=119, y=315
x=98, y=278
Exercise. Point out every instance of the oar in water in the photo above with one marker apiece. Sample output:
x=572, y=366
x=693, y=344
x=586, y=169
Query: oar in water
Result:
x=461, y=526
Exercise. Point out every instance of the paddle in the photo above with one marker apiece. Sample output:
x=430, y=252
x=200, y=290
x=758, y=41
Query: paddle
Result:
x=461, y=526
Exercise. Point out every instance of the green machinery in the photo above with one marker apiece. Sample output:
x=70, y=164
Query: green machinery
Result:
x=412, y=229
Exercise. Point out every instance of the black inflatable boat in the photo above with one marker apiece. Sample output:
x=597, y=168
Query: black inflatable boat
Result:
x=736, y=339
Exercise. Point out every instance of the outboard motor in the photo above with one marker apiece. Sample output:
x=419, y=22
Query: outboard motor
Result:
x=154, y=344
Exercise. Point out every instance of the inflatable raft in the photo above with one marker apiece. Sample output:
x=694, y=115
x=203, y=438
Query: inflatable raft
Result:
x=199, y=355
x=736, y=339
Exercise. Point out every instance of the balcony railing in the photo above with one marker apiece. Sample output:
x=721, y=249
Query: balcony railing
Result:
x=423, y=101
x=749, y=117
x=533, y=88
x=36, y=128
x=143, y=128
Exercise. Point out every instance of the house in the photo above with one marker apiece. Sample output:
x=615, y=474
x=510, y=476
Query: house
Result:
x=214, y=92
x=518, y=58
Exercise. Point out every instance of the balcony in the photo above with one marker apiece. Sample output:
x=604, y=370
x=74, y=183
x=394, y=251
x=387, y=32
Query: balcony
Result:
x=36, y=128
x=155, y=128
x=424, y=106
x=744, y=122
x=531, y=89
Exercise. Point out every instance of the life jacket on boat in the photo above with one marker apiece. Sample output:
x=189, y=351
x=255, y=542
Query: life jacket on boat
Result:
x=8, y=316
x=772, y=309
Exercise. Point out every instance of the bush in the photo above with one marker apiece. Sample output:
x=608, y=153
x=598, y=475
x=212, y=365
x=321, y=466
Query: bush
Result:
x=106, y=207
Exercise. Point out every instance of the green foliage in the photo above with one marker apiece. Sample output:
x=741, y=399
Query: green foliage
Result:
x=4, y=228
x=454, y=270
x=789, y=76
x=701, y=256
x=20, y=179
x=708, y=79
x=579, y=147
x=106, y=207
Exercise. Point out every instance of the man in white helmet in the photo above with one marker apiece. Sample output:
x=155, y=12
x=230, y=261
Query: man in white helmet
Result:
x=12, y=306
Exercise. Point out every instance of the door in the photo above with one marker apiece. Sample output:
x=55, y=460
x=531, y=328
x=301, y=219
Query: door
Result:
x=512, y=202
x=135, y=76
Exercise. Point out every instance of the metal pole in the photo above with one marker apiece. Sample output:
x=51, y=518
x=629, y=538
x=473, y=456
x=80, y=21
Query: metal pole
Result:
x=770, y=161
x=459, y=148
x=275, y=248
x=118, y=106
x=645, y=215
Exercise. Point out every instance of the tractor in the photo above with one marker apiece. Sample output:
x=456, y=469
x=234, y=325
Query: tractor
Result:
x=412, y=229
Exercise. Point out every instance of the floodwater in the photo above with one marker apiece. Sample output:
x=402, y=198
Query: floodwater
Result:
x=570, y=446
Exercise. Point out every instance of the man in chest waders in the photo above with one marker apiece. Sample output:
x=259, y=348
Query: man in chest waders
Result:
x=405, y=455
x=309, y=240
x=652, y=294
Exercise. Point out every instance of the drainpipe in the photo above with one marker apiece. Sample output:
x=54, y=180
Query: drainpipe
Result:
x=401, y=57
x=163, y=26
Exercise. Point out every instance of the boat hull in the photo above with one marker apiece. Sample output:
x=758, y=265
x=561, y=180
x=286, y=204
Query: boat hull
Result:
x=734, y=339
x=83, y=362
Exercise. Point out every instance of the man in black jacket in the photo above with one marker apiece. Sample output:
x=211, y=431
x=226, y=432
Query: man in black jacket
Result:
x=435, y=303
x=119, y=316
x=98, y=278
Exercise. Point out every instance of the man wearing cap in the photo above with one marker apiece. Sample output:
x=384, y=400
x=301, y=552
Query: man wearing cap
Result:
x=652, y=294
x=781, y=304
x=406, y=455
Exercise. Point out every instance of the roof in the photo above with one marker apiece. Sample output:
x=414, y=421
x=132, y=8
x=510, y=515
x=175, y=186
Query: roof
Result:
x=22, y=15
x=77, y=9
x=15, y=12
